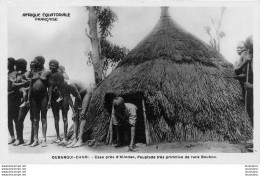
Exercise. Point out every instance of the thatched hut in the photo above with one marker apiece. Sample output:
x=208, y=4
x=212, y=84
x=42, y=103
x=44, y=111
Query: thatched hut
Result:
x=184, y=90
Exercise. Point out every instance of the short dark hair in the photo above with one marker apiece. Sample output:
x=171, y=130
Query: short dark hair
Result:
x=21, y=62
x=54, y=62
x=11, y=60
x=40, y=59
x=118, y=102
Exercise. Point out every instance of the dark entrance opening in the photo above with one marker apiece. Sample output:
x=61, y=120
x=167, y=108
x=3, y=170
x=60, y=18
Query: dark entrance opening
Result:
x=135, y=99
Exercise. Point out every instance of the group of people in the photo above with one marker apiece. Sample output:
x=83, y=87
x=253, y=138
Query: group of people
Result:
x=38, y=90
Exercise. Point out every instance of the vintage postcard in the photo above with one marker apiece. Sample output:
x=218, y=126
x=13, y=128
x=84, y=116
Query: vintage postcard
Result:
x=138, y=82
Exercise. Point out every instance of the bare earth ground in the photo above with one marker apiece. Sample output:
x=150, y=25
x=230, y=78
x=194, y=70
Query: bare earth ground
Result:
x=178, y=147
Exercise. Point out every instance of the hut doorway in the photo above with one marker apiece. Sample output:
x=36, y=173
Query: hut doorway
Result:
x=140, y=136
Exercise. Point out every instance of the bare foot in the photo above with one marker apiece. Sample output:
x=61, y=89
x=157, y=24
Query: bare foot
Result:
x=63, y=142
x=57, y=140
x=131, y=148
x=11, y=141
x=91, y=143
x=78, y=144
x=72, y=144
x=44, y=144
x=28, y=143
x=18, y=142
x=35, y=143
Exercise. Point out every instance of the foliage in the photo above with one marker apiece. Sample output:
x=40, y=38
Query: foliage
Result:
x=111, y=54
x=106, y=20
x=215, y=32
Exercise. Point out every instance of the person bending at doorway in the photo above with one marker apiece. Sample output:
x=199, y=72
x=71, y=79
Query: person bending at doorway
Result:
x=124, y=112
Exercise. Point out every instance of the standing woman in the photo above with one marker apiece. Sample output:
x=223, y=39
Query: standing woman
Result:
x=38, y=96
x=19, y=84
x=13, y=100
x=24, y=109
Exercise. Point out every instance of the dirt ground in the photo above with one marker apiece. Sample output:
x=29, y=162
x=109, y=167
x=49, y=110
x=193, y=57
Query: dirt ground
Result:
x=178, y=147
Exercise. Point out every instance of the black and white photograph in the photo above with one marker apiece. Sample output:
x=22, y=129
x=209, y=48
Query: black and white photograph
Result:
x=118, y=79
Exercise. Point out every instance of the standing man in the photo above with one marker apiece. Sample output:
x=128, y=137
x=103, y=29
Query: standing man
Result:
x=124, y=112
x=246, y=62
x=57, y=105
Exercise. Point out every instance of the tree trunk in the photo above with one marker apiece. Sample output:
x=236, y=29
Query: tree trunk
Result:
x=95, y=43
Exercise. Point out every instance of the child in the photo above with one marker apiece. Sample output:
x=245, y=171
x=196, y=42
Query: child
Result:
x=24, y=90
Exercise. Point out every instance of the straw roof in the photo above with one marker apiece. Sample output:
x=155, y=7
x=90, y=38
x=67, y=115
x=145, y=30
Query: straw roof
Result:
x=188, y=87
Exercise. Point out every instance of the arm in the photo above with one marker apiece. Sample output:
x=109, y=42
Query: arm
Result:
x=68, y=98
x=66, y=77
x=241, y=64
x=50, y=88
x=29, y=93
x=248, y=85
x=14, y=84
x=75, y=92
x=20, y=81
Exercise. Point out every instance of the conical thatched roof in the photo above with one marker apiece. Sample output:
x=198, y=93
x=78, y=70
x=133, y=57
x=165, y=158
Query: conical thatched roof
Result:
x=187, y=86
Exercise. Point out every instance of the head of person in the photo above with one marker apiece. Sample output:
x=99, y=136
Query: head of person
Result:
x=62, y=68
x=249, y=44
x=11, y=63
x=119, y=106
x=32, y=65
x=39, y=62
x=21, y=65
x=57, y=79
x=53, y=65
x=241, y=47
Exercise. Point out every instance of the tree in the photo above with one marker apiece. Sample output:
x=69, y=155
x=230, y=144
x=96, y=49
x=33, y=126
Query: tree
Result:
x=104, y=54
x=216, y=34
x=111, y=55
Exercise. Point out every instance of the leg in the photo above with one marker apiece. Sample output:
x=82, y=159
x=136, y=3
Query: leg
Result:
x=23, y=90
x=81, y=130
x=65, y=109
x=118, y=123
x=32, y=131
x=55, y=110
x=75, y=126
x=85, y=105
x=15, y=114
x=35, y=109
x=22, y=114
x=44, y=103
x=132, y=122
x=119, y=142
x=75, y=131
x=11, y=126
